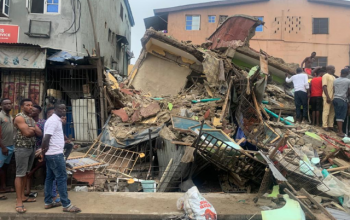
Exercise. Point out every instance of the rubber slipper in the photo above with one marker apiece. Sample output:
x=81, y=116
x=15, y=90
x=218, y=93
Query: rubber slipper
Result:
x=33, y=195
x=22, y=208
x=2, y=197
x=72, y=209
x=28, y=200
x=53, y=205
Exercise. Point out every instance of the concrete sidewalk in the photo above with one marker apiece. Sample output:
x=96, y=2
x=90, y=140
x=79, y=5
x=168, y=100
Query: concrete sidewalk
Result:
x=131, y=206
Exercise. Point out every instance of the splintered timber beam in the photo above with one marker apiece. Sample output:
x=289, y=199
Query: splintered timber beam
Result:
x=223, y=113
x=317, y=204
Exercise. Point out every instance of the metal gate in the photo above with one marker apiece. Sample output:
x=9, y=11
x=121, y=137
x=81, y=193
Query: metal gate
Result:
x=77, y=87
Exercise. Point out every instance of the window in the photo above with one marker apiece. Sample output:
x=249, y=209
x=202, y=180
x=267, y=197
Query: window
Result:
x=211, y=18
x=260, y=28
x=320, y=61
x=222, y=18
x=193, y=22
x=320, y=26
x=5, y=8
x=44, y=6
x=121, y=11
x=52, y=6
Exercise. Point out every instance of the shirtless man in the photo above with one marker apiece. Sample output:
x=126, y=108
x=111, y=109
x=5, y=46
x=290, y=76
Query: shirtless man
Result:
x=26, y=132
x=308, y=63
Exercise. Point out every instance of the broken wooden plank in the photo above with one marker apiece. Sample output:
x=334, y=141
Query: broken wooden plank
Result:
x=210, y=93
x=317, y=204
x=257, y=107
x=181, y=143
x=164, y=176
x=338, y=168
x=223, y=113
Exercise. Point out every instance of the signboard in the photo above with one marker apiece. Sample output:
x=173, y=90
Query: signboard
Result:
x=9, y=33
x=22, y=57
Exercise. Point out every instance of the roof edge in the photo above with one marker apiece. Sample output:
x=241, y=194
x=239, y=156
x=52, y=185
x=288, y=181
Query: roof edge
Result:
x=332, y=2
x=205, y=5
x=131, y=17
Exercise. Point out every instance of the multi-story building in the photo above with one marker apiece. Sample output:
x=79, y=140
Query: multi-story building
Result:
x=66, y=25
x=293, y=28
x=49, y=53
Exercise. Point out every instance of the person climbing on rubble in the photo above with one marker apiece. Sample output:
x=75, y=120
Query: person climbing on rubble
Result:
x=316, y=101
x=308, y=63
x=340, y=101
x=301, y=87
x=327, y=95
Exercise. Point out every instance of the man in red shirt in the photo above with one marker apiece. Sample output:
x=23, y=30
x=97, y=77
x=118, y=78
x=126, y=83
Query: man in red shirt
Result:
x=316, y=100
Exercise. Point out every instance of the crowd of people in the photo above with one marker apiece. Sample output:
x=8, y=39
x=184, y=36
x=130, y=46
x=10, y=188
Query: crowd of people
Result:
x=326, y=94
x=36, y=143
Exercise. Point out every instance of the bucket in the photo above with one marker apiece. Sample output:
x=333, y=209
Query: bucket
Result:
x=149, y=186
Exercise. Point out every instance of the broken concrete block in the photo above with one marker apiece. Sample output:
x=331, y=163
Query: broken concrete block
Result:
x=122, y=114
x=150, y=110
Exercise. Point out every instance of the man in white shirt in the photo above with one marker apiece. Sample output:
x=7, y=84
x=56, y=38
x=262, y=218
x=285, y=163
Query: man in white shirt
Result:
x=301, y=87
x=52, y=149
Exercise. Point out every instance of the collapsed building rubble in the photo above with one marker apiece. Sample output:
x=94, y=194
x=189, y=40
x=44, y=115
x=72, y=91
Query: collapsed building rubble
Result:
x=222, y=104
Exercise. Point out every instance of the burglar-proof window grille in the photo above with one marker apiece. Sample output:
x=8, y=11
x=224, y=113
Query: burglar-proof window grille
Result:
x=320, y=26
x=320, y=61
x=193, y=22
x=211, y=18
x=260, y=28
x=5, y=8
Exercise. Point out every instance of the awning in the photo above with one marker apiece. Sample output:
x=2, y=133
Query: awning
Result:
x=156, y=22
x=22, y=57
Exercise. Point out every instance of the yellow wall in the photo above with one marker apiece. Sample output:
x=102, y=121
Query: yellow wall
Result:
x=275, y=38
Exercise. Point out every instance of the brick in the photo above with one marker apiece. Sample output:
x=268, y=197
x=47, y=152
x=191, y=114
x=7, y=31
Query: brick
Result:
x=127, y=91
x=151, y=110
x=136, y=117
x=122, y=114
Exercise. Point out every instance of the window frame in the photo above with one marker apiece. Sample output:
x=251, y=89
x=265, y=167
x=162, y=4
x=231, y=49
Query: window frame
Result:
x=199, y=24
x=46, y=4
x=3, y=8
x=261, y=18
x=121, y=12
x=210, y=19
x=318, y=63
x=319, y=28
x=29, y=8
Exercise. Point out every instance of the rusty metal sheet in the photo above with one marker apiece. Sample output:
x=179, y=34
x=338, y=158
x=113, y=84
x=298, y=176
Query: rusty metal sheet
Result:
x=234, y=32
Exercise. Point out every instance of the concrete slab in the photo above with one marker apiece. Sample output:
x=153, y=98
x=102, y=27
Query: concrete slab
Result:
x=139, y=206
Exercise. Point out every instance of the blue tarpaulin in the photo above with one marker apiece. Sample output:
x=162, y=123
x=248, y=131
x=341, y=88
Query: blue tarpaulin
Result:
x=63, y=56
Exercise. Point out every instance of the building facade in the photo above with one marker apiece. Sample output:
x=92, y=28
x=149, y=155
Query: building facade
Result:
x=293, y=28
x=66, y=25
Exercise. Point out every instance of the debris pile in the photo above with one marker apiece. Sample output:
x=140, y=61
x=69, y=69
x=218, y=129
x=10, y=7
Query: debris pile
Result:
x=222, y=105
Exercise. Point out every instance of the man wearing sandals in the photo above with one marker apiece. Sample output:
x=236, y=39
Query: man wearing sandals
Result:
x=52, y=150
x=24, y=150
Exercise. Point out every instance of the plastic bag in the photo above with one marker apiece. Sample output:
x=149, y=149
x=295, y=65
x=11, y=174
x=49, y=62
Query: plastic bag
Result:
x=336, y=188
x=196, y=206
x=81, y=189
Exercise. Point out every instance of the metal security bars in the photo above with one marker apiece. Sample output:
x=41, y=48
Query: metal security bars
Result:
x=77, y=87
x=18, y=84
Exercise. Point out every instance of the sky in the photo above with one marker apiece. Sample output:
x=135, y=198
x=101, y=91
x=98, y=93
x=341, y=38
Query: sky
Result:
x=143, y=9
